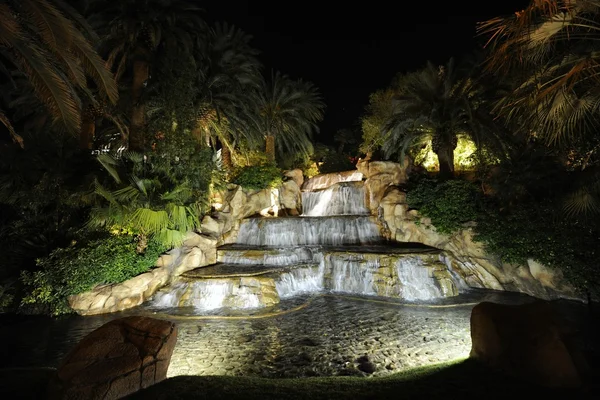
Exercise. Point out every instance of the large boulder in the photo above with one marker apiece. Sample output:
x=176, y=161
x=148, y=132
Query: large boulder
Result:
x=323, y=181
x=527, y=341
x=296, y=175
x=290, y=198
x=380, y=176
x=240, y=203
x=117, y=359
x=117, y=297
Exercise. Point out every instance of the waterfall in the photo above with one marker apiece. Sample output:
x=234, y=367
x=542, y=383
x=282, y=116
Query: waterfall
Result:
x=301, y=280
x=279, y=257
x=207, y=294
x=171, y=298
x=309, y=255
x=353, y=275
x=339, y=199
x=338, y=230
x=417, y=284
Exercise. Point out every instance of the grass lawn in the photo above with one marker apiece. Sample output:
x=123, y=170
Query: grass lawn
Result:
x=458, y=380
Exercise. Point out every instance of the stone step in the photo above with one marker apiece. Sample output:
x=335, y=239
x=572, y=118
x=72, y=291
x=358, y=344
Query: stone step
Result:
x=229, y=270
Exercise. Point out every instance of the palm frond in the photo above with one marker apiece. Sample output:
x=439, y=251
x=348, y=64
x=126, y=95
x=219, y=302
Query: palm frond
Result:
x=148, y=220
x=8, y=125
x=49, y=84
x=170, y=237
x=96, y=68
x=104, y=193
x=582, y=202
x=127, y=195
x=109, y=163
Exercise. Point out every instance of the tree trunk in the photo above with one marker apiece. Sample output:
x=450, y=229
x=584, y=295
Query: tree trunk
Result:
x=87, y=132
x=199, y=133
x=142, y=243
x=443, y=146
x=226, y=158
x=270, y=147
x=141, y=73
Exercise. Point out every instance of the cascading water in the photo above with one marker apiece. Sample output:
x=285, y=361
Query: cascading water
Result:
x=312, y=253
x=293, y=231
x=301, y=280
x=352, y=275
x=207, y=295
x=339, y=199
x=417, y=284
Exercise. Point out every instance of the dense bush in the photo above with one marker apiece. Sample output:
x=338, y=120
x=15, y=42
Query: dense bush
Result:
x=534, y=229
x=539, y=230
x=258, y=177
x=449, y=204
x=110, y=258
x=335, y=162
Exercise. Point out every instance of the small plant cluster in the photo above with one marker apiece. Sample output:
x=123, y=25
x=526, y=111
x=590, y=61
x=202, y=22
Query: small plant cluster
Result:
x=257, y=177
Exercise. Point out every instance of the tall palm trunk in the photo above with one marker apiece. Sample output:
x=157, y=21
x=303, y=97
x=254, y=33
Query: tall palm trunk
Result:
x=270, y=147
x=443, y=146
x=200, y=134
x=88, y=130
x=141, y=73
x=226, y=158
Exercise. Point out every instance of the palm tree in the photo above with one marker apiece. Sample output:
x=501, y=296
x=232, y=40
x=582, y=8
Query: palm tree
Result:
x=345, y=137
x=554, y=44
x=153, y=206
x=228, y=68
x=436, y=105
x=46, y=40
x=134, y=33
x=286, y=113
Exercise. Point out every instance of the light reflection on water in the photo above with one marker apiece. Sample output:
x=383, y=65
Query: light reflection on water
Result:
x=242, y=343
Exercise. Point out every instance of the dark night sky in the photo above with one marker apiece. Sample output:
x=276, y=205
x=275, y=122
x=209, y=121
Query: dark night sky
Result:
x=352, y=49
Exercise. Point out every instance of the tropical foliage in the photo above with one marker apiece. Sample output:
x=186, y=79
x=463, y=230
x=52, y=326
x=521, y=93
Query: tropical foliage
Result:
x=258, y=177
x=285, y=112
x=50, y=44
x=149, y=200
x=435, y=106
x=551, y=48
x=135, y=34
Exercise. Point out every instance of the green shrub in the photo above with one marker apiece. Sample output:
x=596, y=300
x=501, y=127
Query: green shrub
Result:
x=335, y=162
x=68, y=271
x=258, y=177
x=6, y=296
x=538, y=230
x=449, y=204
x=534, y=229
